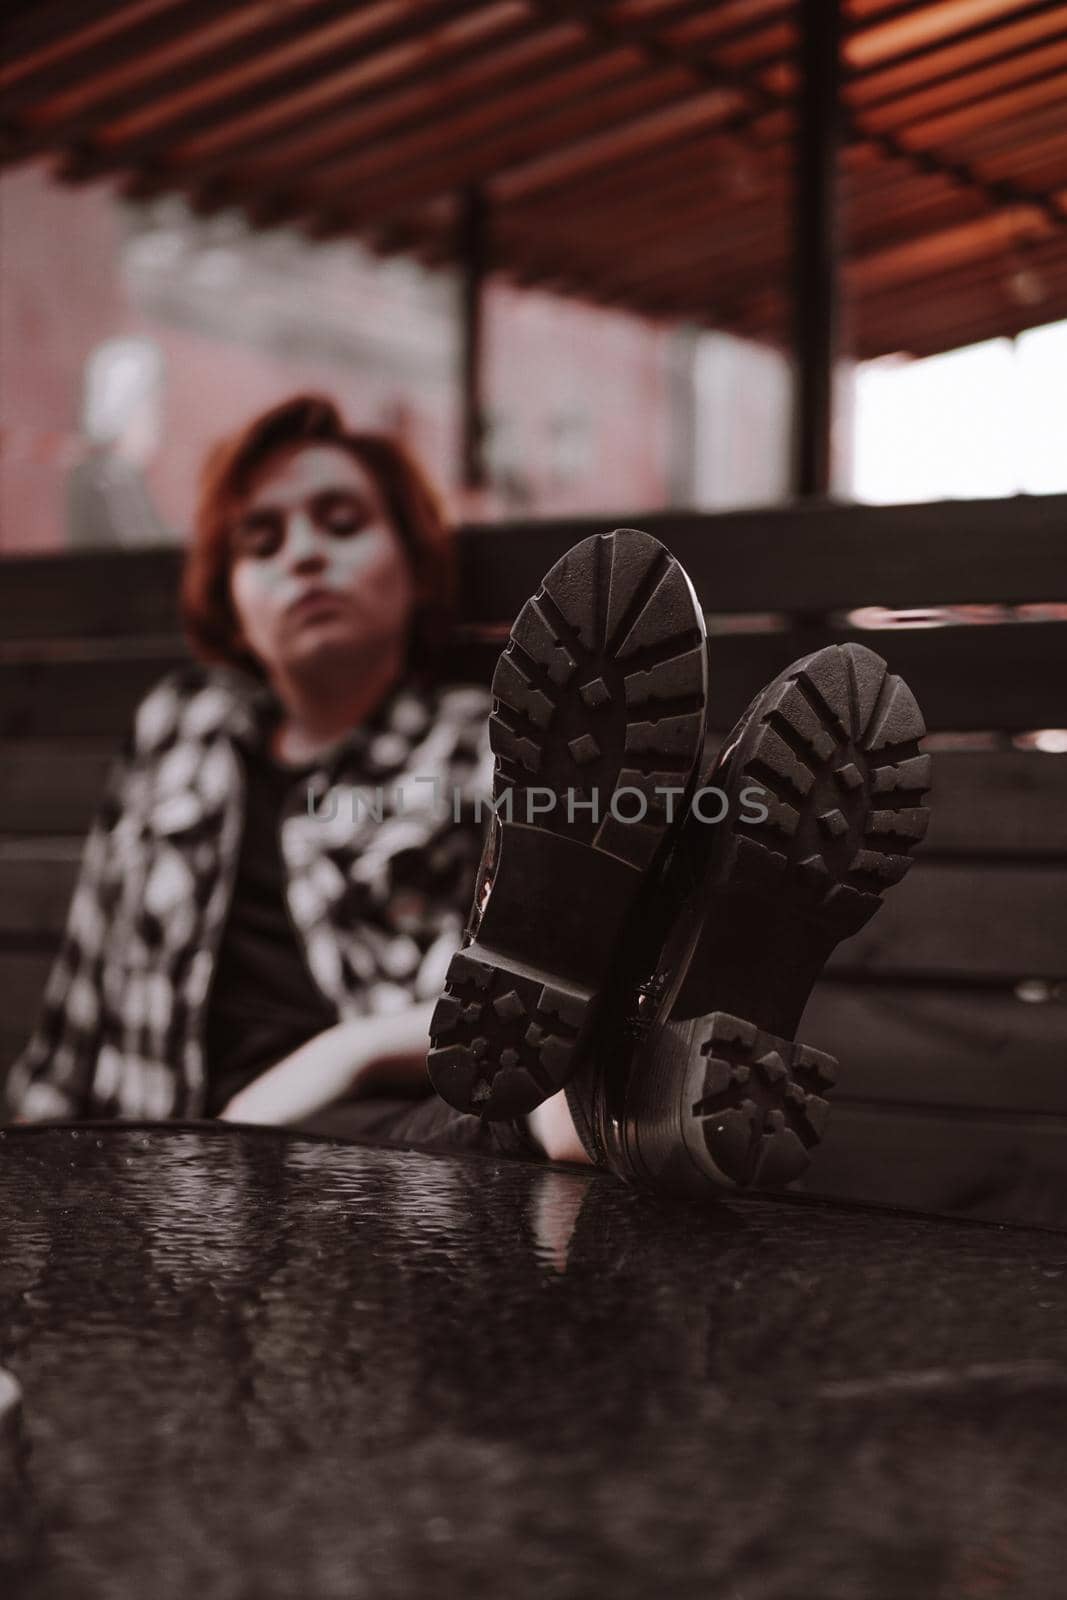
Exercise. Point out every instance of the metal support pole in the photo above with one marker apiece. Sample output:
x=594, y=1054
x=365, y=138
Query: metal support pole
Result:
x=473, y=257
x=816, y=264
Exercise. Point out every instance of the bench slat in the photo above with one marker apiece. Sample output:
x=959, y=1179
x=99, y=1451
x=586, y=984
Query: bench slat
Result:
x=35, y=894
x=1004, y=1168
x=995, y=922
x=90, y=593
x=812, y=557
x=1004, y=677
x=50, y=698
x=22, y=979
x=967, y=678
x=1007, y=676
x=52, y=786
x=1010, y=803
x=914, y=1045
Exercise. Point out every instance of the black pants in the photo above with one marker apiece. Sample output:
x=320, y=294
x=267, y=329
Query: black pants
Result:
x=425, y=1123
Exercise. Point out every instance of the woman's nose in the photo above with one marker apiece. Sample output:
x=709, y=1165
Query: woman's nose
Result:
x=304, y=544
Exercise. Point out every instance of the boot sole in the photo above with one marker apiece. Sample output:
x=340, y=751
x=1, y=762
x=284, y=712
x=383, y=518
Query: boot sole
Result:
x=602, y=687
x=833, y=743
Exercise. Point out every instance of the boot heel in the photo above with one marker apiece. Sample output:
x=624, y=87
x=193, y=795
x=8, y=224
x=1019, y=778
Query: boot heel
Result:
x=520, y=998
x=755, y=1105
x=503, y=1038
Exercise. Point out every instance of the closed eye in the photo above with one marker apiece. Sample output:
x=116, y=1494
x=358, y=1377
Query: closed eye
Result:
x=340, y=512
x=258, y=535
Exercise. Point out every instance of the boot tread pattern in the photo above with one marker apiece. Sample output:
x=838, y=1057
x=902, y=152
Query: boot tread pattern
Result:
x=602, y=687
x=760, y=1104
x=835, y=748
x=502, y=1041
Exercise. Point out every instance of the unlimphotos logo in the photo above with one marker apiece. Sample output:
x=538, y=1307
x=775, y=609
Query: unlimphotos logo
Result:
x=431, y=798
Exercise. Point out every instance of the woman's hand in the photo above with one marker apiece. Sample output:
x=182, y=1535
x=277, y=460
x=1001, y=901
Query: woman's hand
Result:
x=365, y=1054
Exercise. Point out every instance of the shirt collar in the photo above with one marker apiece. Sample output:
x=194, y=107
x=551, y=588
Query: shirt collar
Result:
x=255, y=707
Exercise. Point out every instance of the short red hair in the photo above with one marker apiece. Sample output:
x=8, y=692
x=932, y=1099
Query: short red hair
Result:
x=414, y=506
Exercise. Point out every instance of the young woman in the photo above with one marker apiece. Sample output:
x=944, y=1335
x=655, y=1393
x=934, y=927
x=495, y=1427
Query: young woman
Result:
x=281, y=865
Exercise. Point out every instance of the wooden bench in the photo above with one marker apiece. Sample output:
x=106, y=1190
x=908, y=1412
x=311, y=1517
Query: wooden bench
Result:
x=949, y=1013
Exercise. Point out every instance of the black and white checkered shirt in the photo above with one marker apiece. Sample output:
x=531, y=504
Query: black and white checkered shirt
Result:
x=380, y=846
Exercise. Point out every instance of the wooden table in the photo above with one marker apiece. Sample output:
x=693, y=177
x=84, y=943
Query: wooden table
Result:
x=259, y=1365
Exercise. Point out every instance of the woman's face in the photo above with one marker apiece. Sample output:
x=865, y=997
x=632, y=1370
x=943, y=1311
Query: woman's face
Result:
x=318, y=570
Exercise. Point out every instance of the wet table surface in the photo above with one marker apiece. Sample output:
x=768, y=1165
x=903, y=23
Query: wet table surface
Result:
x=257, y=1365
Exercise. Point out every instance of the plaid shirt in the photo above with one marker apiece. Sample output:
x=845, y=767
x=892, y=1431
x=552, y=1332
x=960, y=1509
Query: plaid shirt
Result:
x=380, y=846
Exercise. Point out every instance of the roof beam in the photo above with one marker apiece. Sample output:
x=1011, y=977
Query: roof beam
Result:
x=350, y=113
x=590, y=131
x=973, y=89
x=531, y=122
x=165, y=84
x=908, y=27
x=889, y=78
x=913, y=258
x=525, y=182
x=37, y=29
x=464, y=66
x=136, y=32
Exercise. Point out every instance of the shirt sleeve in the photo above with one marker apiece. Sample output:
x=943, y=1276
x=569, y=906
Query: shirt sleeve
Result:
x=52, y=1078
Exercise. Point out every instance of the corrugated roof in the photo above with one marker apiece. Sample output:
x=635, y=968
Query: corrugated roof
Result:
x=636, y=152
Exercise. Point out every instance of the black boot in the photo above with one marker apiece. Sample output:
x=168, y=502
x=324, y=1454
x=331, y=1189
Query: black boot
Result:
x=599, y=704
x=698, y=1082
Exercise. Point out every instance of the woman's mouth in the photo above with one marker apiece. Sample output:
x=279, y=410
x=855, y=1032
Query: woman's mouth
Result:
x=313, y=601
